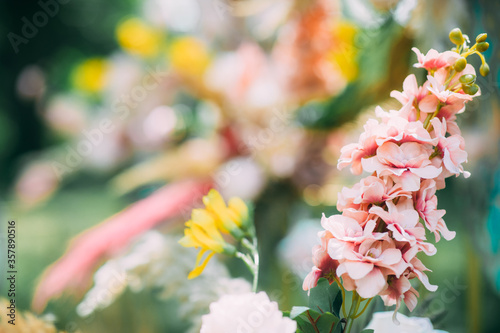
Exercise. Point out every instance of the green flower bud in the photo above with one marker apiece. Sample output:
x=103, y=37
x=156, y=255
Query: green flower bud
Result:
x=481, y=37
x=471, y=90
x=481, y=47
x=460, y=64
x=456, y=36
x=467, y=79
x=484, y=69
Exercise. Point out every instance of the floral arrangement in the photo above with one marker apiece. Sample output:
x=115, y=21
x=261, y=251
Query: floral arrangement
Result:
x=370, y=249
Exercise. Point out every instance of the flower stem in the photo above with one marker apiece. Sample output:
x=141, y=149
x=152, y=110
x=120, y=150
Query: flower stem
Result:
x=352, y=312
x=364, y=308
x=252, y=247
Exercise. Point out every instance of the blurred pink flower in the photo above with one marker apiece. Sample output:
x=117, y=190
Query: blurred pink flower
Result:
x=73, y=271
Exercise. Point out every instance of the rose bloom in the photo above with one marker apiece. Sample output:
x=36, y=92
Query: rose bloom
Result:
x=246, y=313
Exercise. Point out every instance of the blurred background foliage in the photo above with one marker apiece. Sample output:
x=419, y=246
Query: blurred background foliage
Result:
x=467, y=269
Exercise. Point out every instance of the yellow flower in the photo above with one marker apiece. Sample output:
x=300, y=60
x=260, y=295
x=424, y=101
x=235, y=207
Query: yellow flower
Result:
x=201, y=232
x=189, y=56
x=345, y=52
x=204, y=229
x=138, y=38
x=91, y=75
x=231, y=219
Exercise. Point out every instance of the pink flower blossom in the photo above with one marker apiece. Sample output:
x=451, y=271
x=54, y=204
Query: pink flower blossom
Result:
x=414, y=95
x=347, y=233
x=369, y=190
x=368, y=265
x=450, y=149
x=408, y=163
x=394, y=129
x=324, y=265
x=399, y=289
x=426, y=205
x=403, y=221
x=367, y=146
x=434, y=60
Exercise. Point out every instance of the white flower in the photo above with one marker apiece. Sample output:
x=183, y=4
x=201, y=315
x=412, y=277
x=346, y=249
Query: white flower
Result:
x=246, y=313
x=382, y=323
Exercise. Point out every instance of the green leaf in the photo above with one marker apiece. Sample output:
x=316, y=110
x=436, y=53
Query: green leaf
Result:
x=328, y=323
x=367, y=331
x=325, y=297
x=297, y=311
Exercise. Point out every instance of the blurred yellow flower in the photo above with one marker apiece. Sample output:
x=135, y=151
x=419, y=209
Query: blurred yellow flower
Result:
x=345, y=51
x=138, y=38
x=229, y=219
x=204, y=229
x=201, y=232
x=189, y=56
x=91, y=75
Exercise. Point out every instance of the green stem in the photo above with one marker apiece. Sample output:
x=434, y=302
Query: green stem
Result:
x=352, y=312
x=364, y=308
x=252, y=247
x=343, y=295
x=427, y=122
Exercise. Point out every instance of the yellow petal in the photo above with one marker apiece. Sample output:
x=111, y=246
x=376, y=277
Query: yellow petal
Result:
x=188, y=240
x=214, y=201
x=202, y=216
x=239, y=207
x=199, y=269
x=212, y=242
